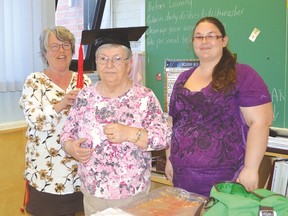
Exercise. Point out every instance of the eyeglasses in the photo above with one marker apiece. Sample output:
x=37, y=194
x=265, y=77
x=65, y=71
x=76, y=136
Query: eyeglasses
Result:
x=55, y=47
x=208, y=38
x=116, y=60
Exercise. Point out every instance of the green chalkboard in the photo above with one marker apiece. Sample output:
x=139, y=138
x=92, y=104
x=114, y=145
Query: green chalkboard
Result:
x=169, y=37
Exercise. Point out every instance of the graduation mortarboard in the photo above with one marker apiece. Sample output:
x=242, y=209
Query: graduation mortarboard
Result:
x=99, y=37
x=121, y=36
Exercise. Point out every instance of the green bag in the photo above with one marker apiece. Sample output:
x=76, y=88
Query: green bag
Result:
x=232, y=199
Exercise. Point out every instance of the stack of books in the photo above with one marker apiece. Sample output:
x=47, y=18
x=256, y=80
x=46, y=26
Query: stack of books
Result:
x=279, y=183
x=279, y=174
x=278, y=142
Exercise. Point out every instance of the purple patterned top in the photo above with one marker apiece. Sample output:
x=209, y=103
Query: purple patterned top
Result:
x=209, y=132
x=116, y=171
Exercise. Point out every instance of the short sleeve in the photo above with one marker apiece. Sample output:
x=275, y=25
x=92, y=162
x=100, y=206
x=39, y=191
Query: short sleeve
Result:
x=252, y=90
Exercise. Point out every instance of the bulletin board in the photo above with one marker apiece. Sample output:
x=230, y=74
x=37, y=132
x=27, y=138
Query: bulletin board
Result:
x=172, y=69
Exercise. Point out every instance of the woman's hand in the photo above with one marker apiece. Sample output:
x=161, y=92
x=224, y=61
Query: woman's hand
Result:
x=73, y=148
x=67, y=101
x=119, y=133
x=116, y=133
x=249, y=178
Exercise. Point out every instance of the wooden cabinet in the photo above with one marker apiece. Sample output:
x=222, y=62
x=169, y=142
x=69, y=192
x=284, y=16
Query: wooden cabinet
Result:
x=12, y=160
x=277, y=153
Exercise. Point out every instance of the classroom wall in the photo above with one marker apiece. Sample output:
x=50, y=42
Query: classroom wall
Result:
x=9, y=109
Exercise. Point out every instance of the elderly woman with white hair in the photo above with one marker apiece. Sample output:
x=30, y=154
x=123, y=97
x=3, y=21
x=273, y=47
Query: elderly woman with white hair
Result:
x=114, y=125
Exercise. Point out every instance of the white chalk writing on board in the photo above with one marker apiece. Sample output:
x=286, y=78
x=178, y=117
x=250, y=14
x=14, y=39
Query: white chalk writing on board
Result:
x=167, y=24
x=278, y=96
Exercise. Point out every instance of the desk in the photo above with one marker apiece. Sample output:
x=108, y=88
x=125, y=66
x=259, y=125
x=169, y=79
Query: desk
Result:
x=161, y=180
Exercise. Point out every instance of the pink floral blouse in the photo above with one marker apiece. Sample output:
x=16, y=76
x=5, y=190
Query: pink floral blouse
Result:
x=119, y=170
x=47, y=168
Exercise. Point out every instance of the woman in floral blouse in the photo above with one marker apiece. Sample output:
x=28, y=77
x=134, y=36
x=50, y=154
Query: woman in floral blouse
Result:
x=112, y=128
x=46, y=99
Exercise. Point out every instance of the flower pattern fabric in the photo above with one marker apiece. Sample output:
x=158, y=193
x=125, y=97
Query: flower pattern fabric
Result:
x=117, y=170
x=47, y=168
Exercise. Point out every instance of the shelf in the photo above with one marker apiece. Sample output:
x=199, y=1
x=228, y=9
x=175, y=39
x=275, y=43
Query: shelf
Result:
x=160, y=179
x=273, y=152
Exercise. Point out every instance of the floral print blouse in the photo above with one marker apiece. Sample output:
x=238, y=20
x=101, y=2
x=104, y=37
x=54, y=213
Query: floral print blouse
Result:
x=47, y=168
x=116, y=170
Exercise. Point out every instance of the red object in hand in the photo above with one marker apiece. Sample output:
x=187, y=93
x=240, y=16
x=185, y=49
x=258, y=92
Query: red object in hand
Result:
x=26, y=198
x=80, y=77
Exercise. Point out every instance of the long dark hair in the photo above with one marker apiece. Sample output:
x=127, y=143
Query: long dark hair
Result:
x=224, y=73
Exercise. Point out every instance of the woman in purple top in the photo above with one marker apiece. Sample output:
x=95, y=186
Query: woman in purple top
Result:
x=221, y=113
